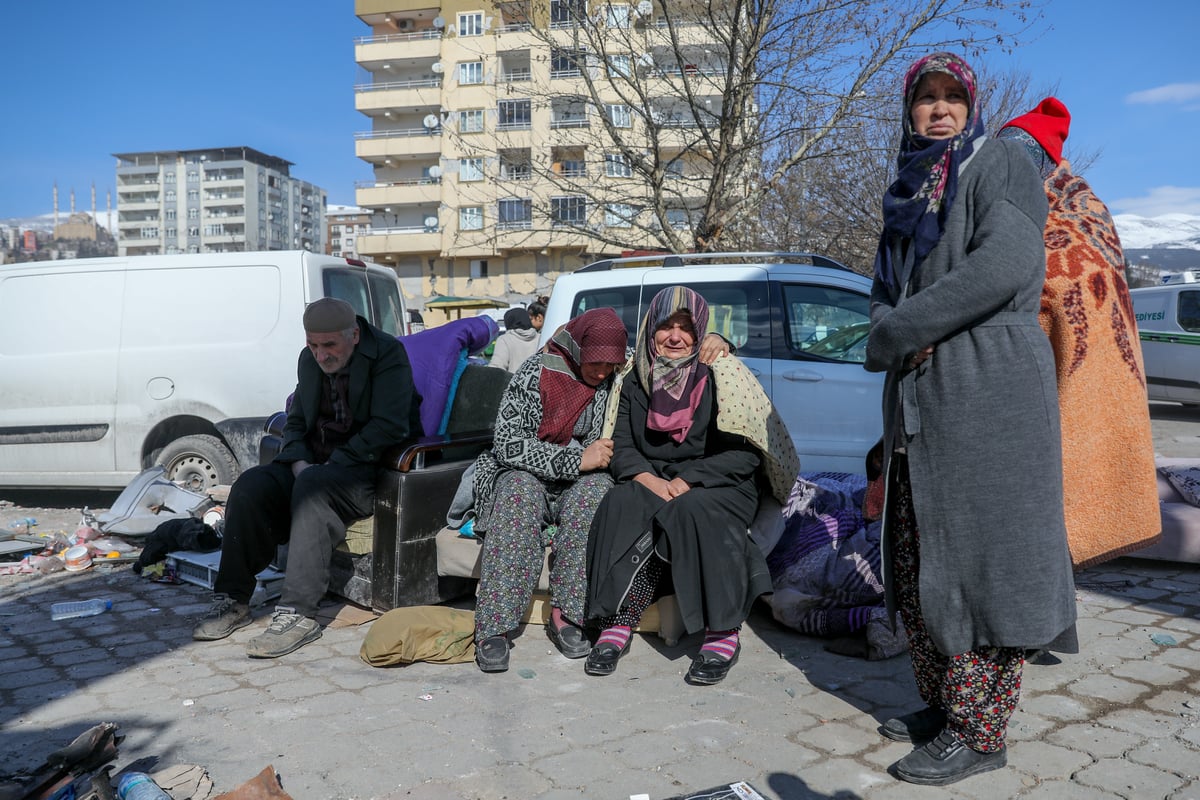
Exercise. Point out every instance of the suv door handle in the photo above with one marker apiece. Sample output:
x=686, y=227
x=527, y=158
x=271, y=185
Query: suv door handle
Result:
x=803, y=375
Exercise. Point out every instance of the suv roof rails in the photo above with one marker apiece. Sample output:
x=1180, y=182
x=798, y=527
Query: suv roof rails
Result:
x=669, y=260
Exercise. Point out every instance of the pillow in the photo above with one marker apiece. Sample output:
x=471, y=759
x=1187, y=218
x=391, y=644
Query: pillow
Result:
x=1186, y=481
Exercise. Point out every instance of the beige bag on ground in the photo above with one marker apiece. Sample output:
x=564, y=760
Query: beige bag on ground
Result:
x=420, y=633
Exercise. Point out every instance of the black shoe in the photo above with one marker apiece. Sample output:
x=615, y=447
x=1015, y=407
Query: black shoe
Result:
x=709, y=668
x=918, y=727
x=603, y=658
x=491, y=655
x=571, y=640
x=946, y=760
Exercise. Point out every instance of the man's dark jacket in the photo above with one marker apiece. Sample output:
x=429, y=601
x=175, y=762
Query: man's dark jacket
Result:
x=384, y=403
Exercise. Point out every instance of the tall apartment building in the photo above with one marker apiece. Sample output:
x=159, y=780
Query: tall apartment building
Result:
x=343, y=226
x=491, y=135
x=224, y=199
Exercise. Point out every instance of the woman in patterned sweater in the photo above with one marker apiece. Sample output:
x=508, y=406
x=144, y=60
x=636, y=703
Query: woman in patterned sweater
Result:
x=541, y=483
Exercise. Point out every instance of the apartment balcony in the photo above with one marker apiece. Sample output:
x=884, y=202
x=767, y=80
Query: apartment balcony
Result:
x=226, y=219
x=414, y=92
x=377, y=194
x=378, y=146
x=411, y=239
x=136, y=182
x=371, y=51
x=139, y=204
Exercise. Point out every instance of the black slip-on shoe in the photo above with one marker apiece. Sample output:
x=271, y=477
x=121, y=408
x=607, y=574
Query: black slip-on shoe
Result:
x=709, y=668
x=602, y=659
x=491, y=655
x=917, y=727
x=946, y=760
x=571, y=640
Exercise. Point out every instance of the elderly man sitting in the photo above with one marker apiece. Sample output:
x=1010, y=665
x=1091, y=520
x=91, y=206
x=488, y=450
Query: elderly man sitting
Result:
x=354, y=399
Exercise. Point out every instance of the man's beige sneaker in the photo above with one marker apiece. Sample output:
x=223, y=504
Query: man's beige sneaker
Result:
x=288, y=631
x=225, y=617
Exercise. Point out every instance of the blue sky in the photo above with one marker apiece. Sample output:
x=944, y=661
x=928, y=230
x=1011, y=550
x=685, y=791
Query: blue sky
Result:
x=86, y=79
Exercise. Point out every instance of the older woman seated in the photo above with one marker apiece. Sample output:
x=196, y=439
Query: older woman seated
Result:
x=686, y=493
x=545, y=471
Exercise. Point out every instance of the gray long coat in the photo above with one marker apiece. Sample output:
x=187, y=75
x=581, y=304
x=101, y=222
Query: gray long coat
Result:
x=979, y=419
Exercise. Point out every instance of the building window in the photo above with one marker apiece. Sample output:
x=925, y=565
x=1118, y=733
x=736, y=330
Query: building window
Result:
x=470, y=121
x=470, y=72
x=678, y=218
x=470, y=23
x=515, y=165
x=619, y=215
x=172, y=233
x=194, y=231
x=513, y=114
x=570, y=210
x=169, y=177
x=470, y=169
x=470, y=218
x=193, y=176
x=193, y=194
x=618, y=65
x=170, y=195
x=169, y=214
x=616, y=165
x=617, y=16
x=515, y=213
x=149, y=233
x=564, y=13
x=193, y=213
x=478, y=268
x=619, y=115
x=566, y=62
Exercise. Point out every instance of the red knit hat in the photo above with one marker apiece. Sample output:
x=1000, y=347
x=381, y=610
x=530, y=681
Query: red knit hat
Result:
x=1049, y=123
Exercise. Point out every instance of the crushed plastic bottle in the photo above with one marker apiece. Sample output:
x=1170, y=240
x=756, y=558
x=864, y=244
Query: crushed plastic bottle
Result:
x=79, y=608
x=139, y=786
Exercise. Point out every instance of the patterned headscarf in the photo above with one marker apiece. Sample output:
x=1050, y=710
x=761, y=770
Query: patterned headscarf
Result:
x=596, y=335
x=675, y=385
x=916, y=204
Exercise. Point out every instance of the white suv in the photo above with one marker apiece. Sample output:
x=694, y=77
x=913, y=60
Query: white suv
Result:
x=799, y=322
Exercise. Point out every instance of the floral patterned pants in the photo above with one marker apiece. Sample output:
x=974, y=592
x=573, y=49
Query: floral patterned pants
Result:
x=978, y=689
x=522, y=525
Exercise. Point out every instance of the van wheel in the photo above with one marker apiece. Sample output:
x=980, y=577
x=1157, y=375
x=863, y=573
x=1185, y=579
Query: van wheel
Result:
x=199, y=462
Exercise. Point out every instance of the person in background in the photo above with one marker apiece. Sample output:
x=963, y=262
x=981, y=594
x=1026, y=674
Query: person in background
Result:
x=354, y=399
x=518, y=342
x=687, y=490
x=545, y=471
x=1110, y=492
x=537, y=312
x=975, y=547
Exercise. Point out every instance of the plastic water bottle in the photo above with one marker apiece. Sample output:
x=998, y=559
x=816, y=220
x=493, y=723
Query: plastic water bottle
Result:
x=79, y=608
x=139, y=786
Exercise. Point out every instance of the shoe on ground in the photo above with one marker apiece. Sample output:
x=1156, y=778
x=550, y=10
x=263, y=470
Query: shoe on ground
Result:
x=602, y=659
x=571, y=640
x=491, y=655
x=288, y=631
x=709, y=668
x=918, y=727
x=946, y=760
x=225, y=617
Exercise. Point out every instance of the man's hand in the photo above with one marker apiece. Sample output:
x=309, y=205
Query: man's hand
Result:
x=596, y=455
x=655, y=484
x=712, y=347
x=298, y=467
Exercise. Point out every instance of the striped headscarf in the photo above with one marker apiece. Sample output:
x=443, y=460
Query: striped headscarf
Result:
x=674, y=385
x=916, y=204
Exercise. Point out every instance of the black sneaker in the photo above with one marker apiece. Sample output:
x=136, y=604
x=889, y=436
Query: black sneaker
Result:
x=918, y=727
x=491, y=655
x=946, y=760
x=225, y=617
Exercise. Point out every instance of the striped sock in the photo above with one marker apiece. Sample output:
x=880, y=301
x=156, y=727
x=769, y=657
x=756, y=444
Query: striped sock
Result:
x=722, y=644
x=617, y=636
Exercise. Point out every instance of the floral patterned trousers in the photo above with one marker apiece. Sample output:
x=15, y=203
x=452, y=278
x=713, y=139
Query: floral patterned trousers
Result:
x=978, y=689
x=528, y=516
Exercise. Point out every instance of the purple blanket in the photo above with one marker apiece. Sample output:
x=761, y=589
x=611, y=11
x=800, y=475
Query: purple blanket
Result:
x=436, y=355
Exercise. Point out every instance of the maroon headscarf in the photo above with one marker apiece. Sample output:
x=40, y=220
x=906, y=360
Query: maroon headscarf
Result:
x=595, y=335
x=675, y=386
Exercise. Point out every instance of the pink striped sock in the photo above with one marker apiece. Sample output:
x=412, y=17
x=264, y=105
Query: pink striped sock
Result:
x=720, y=643
x=617, y=636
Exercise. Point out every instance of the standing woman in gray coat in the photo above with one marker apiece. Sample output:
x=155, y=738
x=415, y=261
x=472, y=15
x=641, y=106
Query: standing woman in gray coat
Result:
x=975, y=548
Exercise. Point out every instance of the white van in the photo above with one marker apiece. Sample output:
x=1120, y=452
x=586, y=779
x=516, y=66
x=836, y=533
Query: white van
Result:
x=1168, y=320
x=112, y=365
x=799, y=322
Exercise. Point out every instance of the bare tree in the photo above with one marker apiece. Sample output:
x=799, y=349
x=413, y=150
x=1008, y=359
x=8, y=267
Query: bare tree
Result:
x=682, y=121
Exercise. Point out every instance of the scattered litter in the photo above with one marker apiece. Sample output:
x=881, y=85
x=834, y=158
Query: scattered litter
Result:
x=1163, y=639
x=425, y=697
x=526, y=673
x=189, y=702
x=739, y=790
x=790, y=691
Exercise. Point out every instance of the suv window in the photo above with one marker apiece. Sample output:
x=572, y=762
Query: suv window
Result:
x=1189, y=311
x=734, y=311
x=825, y=322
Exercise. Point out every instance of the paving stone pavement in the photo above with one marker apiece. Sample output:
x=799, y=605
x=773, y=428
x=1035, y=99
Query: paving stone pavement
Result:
x=1119, y=720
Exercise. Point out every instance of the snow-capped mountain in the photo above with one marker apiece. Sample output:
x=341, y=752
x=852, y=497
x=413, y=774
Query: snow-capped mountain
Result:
x=1152, y=233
